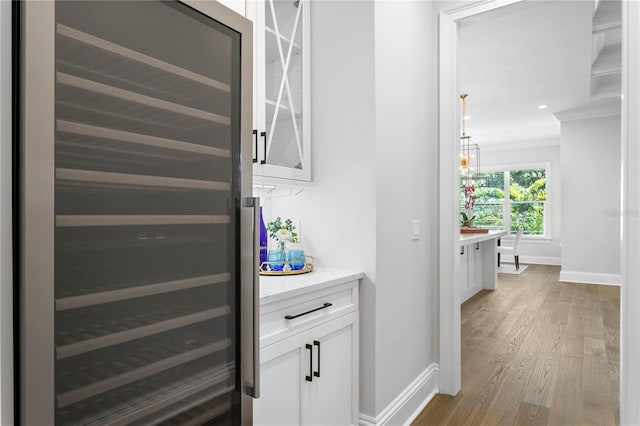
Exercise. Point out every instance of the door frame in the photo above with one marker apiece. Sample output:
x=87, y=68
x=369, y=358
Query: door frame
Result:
x=449, y=117
x=449, y=279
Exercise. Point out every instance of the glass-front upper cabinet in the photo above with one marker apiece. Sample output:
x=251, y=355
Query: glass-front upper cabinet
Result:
x=282, y=130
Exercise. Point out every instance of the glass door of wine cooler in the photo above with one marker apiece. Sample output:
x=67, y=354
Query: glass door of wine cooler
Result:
x=133, y=121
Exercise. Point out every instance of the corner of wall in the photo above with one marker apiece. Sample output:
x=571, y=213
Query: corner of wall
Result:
x=410, y=402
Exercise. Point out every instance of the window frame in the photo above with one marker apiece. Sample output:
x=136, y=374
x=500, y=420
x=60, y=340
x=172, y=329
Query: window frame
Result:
x=506, y=208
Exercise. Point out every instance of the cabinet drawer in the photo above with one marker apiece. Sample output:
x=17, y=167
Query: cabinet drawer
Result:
x=306, y=311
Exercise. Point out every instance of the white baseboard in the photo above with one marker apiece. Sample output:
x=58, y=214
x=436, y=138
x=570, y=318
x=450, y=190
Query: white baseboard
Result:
x=589, y=278
x=410, y=402
x=540, y=260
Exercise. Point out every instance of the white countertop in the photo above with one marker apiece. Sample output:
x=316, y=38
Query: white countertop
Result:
x=466, y=239
x=274, y=288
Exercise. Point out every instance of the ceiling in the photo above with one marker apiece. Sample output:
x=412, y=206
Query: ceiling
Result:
x=554, y=53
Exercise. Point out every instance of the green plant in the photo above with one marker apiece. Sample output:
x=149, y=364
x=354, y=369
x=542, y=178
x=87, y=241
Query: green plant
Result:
x=281, y=232
x=466, y=221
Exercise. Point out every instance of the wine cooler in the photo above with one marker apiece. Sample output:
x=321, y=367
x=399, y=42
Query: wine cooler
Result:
x=137, y=239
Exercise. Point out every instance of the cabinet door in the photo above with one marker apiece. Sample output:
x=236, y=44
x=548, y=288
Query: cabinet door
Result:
x=312, y=377
x=332, y=396
x=471, y=265
x=282, y=87
x=463, y=268
x=478, y=281
x=284, y=365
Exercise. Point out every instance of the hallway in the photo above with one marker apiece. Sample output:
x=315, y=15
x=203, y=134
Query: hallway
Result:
x=536, y=352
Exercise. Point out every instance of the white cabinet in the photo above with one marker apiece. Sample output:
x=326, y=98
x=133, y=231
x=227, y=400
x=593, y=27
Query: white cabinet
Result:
x=464, y=271
x=474, y=266
x=309, y=379
x=471, y=270
x=478, y=261
x=282, y=125
x=309, y=363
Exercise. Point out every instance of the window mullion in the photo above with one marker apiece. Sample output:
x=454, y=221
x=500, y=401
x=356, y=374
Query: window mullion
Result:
x=506, y=213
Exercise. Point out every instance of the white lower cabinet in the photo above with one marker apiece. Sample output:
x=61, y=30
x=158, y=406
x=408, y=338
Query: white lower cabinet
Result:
x=308, y=379
x=330, y=395
x=470, y=270
x=309, y=363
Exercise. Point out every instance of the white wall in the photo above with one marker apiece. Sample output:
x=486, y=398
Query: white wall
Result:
x=374, y=142
x=406, y=180
x=590, y=153
x=630, y=290
x=6, y=285
x=527, y=152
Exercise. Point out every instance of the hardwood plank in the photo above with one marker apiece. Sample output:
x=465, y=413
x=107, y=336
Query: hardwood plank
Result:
x=580, y=296
x=475, y=405
x=436, y=412
x=566, y=403
x=596, y=382
x=567, y=292
x=536, y=351
x=561, y=313
x=611, y=314
x=593, y=415
x=539, y=388
x=573, y=346
x=576, y=321
x=593, y=326
x=532, y=415
x=504, y=408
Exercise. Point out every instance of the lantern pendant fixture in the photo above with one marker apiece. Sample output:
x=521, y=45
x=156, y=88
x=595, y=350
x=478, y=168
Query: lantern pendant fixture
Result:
x=469, y=151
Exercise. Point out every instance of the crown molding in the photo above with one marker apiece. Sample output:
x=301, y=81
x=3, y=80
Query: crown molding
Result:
x=598, y=109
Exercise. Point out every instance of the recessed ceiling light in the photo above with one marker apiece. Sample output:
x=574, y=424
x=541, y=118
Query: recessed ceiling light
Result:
x=543, y=106
x=466, y=117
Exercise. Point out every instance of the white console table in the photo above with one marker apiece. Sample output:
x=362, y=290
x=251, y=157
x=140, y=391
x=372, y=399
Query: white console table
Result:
x=478, y=262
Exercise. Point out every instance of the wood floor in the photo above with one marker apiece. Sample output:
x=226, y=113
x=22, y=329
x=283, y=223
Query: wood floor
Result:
x=536, y=352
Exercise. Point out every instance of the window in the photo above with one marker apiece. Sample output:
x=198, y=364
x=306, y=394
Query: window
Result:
x=510, y=199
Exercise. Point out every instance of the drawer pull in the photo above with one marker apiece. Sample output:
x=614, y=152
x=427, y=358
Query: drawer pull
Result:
x=317, y=343
x=263, y=135
x=255, y=138
x=309, y=378
x=290, y=317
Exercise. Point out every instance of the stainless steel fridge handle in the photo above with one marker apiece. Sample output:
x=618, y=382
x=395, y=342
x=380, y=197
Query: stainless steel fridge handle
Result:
x=253, y=387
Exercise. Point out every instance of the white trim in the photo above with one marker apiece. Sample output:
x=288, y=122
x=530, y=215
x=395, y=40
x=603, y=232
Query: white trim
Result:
x=589, y=278
x=540, y=260
x=518, y=166
x=450, y=323
x=599, y=109
x=450, y=346
x=425, y=383
x=533, y=239
x=630, y=208
x=533, y=260
x=630, y=205
x=521, y=144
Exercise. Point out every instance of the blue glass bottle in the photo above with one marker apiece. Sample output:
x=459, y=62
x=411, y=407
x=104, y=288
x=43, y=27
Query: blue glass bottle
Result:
x=263, y=239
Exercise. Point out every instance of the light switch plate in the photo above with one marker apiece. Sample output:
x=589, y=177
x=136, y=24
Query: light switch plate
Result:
x=415, y=229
